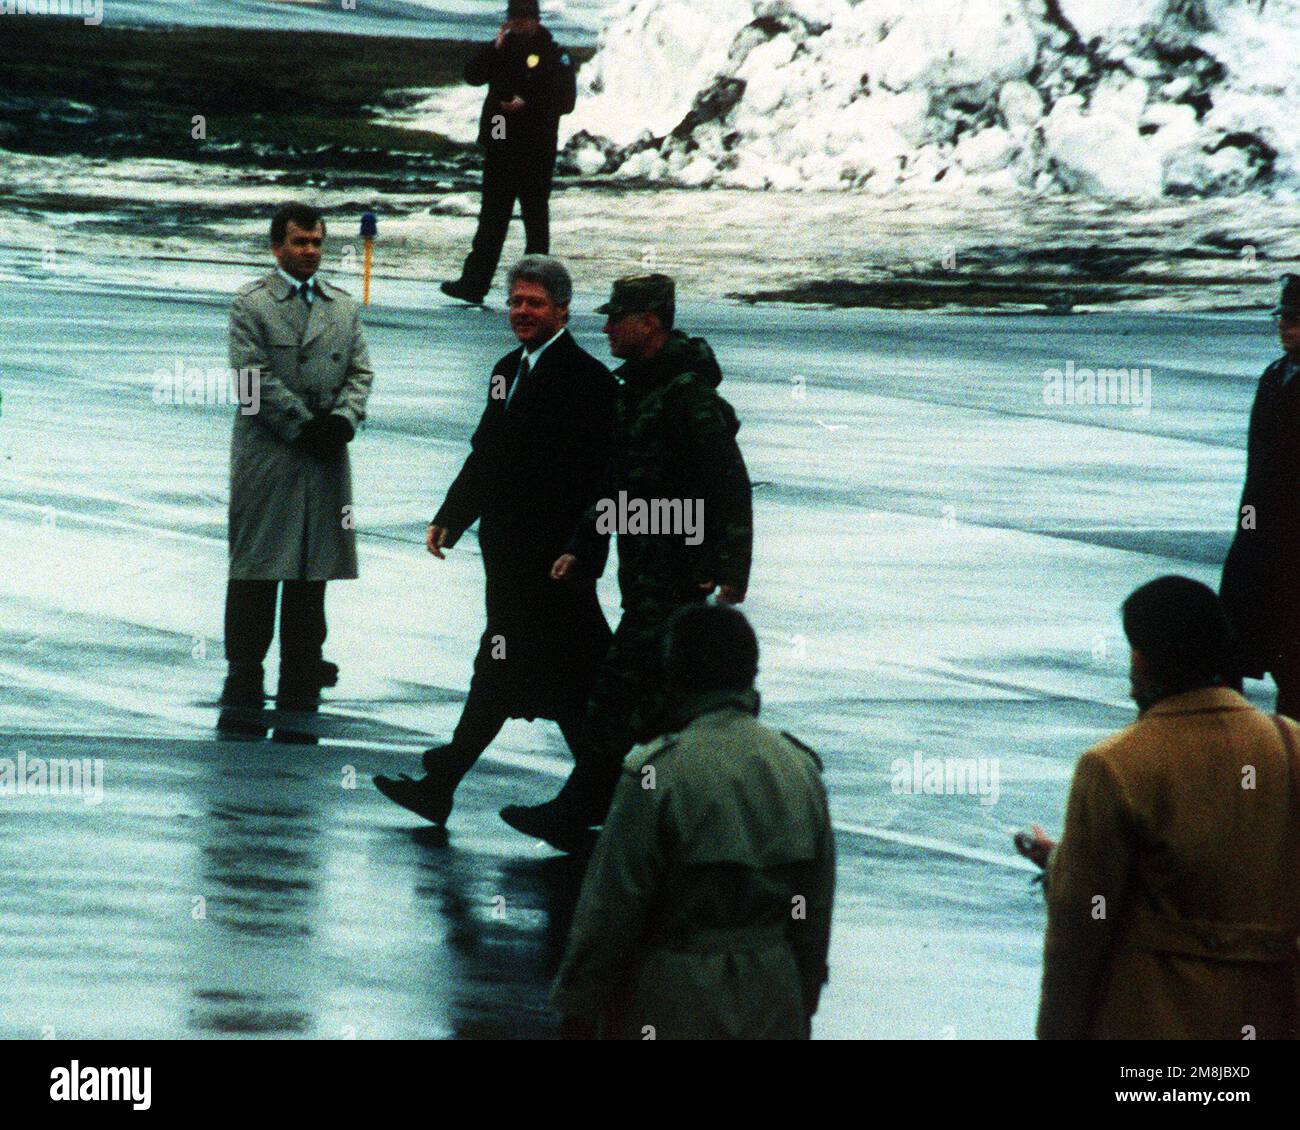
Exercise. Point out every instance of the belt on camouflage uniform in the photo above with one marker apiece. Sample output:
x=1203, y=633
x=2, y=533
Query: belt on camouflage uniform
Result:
x=727, y=939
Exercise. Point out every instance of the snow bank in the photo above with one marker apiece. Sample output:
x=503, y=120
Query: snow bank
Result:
x=1118, y=99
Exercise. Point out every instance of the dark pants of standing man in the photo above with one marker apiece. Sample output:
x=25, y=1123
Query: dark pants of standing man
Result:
x=507, y=177
x=250, y=626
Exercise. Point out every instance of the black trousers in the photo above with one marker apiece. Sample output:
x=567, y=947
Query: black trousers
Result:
x=507, y=177
x=627, y=705
x=481, y=721
x=250, y=626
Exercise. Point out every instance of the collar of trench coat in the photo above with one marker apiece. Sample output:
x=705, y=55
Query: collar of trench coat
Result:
x=684, y=711
x=282, y=289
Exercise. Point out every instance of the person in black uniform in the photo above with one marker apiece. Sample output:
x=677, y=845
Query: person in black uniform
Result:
x=531, y=84
x=1258, y=590
x=537, y=462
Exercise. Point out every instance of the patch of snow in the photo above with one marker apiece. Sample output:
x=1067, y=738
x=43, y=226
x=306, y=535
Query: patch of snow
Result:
x=1119, y=99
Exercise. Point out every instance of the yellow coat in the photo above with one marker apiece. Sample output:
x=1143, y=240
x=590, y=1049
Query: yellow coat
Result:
x=1173, y=898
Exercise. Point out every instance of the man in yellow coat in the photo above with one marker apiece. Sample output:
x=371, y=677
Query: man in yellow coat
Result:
x=1173, y=898
x=706, y=910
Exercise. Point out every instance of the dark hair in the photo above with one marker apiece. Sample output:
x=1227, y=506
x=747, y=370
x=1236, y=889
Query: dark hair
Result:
x=304, y=215
x=1181, y=630
x=710, y=647
x=548, y=273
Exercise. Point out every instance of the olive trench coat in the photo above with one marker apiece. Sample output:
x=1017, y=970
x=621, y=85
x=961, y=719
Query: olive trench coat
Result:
x=706, y=910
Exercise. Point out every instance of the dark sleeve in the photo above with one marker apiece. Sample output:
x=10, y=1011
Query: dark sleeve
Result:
x=1250, y=570
x=622, y=881
x=590, y=547
x=464, y=502
x=708, y=426
x=482, y=65
x=1086, y=884
x=811, y=938
x=563, y=95
x=587, y=543
x=1257, y=456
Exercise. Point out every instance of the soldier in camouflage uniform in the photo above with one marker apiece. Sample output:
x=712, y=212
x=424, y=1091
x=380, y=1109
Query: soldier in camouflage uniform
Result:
x=706, y=912
x=676, y=440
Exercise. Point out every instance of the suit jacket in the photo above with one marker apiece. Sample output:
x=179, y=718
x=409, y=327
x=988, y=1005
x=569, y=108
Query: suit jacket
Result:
x=1173, y=910
x=533, y=469
x=288, y=509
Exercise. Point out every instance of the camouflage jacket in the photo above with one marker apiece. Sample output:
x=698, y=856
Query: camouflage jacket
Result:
x=675, y=446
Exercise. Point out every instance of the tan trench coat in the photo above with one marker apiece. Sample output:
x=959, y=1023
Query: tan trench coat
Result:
x=1172, y=897
x=290, y=512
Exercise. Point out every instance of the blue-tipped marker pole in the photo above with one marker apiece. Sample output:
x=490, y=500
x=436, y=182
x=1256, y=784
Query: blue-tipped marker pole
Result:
x=369, y=229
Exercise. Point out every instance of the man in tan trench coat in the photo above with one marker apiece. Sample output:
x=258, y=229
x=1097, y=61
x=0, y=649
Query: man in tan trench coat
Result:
x=291, y=519
x=1173, y=898
x=706, y=911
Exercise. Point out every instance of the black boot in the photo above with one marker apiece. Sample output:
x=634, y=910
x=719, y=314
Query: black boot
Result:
x=300, y=694
x=430, y=798
x=554, y=823
x=243, y=700
x=461, y=290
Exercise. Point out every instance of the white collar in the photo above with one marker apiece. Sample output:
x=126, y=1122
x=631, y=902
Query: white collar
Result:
x=535, y=354
x=311, y=283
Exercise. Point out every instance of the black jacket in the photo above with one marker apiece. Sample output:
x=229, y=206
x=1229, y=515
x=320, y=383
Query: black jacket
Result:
x=1261, y=577
x=532, y=471
x=536, y=69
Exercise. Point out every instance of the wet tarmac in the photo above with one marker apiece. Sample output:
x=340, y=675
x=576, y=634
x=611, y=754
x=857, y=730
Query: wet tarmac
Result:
x=940, y=560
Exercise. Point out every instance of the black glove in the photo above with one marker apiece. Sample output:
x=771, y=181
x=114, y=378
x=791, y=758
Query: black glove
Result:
x=326, y=436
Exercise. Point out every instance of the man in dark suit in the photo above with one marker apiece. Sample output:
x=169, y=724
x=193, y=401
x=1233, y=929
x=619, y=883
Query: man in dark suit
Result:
x=531, y=84
x=1261, y=600
x=537, y=463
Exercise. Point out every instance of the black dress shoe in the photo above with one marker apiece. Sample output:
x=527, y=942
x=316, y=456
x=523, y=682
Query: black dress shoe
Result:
x=243, y=700
x=552, y=824
x=461, y=290
x=430, y=798
x=240, y=724
x=283, y=735
x=296, y=698
x=286, y=732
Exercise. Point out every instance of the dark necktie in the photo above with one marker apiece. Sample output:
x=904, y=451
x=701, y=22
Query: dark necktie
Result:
x=517, y=390
x=304, y=292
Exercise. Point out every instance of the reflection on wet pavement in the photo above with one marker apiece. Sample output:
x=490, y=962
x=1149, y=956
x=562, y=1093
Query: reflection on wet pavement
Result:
x=223, y=889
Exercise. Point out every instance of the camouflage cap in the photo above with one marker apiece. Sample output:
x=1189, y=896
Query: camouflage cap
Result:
x=1290, y=300
x=641, y=294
